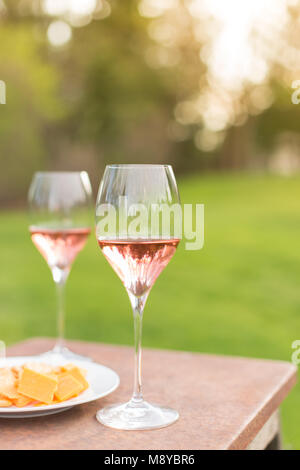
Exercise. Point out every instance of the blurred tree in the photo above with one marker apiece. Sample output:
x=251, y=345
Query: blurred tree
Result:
x=178, y=81
x=125, y=105
x=32, y=103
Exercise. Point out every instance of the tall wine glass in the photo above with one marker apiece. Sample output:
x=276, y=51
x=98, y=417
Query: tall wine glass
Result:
x=60, y=206
x=138, y=254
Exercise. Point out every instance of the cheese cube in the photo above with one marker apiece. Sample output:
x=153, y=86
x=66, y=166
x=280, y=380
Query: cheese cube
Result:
x=68, y=387
x=4, y=403
x=37, y=386
x=77, y=374
x=21, y=401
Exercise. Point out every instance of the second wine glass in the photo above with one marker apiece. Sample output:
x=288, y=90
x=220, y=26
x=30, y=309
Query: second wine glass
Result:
x=60, y=211
x=138, y=258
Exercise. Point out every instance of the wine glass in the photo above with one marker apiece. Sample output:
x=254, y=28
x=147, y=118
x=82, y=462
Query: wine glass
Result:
x=60, y=207
x=138, y=251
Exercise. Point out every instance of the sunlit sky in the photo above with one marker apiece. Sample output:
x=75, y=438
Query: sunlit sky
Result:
x=59, y=7
x=75, y=13
x=238, y=40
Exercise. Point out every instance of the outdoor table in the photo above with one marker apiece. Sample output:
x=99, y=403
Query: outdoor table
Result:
x=224, y=402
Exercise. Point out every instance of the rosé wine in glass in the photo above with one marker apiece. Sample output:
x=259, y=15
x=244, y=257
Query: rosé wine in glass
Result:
x=59, y=247
x=138, y=263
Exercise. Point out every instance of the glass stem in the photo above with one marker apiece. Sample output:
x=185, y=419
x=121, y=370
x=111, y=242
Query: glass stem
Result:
x=60, y=289
x=138, y=304
x=137, y=387
x=60, y=277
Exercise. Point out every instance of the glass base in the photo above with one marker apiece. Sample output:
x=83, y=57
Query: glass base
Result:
x=63, y=353
x=136, y=416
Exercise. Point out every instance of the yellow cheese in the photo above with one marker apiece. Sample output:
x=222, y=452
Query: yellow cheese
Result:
x=21, y=401
x=68, y=387
x=77, y=374
x=4, y=403
x=37, y=386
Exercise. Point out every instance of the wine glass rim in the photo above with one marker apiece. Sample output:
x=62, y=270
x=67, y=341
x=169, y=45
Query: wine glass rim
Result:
x=50, y=173
x=137, y=165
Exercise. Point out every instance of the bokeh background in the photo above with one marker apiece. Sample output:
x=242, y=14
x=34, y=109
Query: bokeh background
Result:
x=204, y=85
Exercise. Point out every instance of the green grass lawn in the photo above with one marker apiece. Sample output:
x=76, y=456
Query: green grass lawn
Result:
x=239, y=295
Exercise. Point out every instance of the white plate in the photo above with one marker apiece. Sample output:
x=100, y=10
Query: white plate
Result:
x=102, y=381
